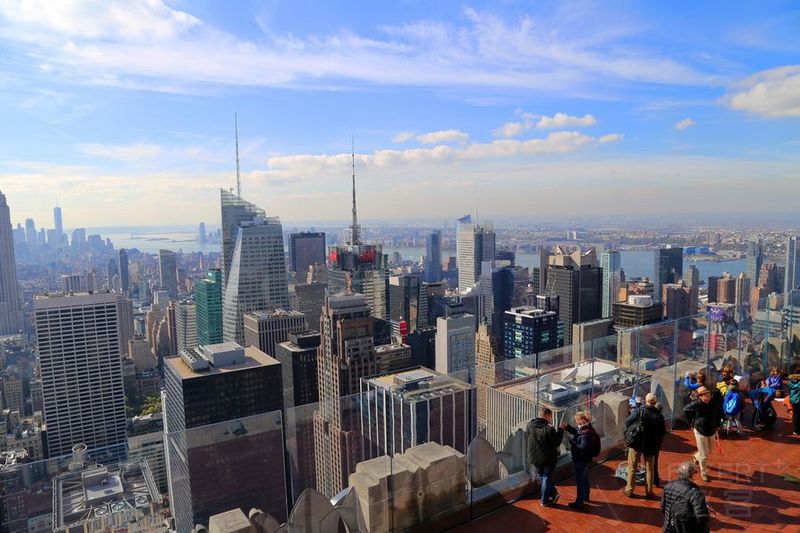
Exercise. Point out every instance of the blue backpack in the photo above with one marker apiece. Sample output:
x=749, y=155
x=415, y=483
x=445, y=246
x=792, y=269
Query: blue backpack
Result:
x=732, y=404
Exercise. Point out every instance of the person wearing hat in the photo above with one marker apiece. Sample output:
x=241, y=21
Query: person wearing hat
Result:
x=706, y=413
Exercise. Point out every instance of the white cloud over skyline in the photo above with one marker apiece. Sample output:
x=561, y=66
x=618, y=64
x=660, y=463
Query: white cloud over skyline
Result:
x=772, y=93
x=685, y=123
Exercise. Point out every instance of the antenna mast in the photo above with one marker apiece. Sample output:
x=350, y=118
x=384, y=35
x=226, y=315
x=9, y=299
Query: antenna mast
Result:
x=238, y=176
x=355, y=229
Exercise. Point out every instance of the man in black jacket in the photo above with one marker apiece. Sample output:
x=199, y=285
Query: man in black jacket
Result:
x=683, y=504
x=543, y=444
x=648, y=445
x=706, y=412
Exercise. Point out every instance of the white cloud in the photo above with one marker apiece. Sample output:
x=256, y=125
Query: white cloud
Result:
x=443, y=136
x=123, y=152
x=147, y=44
x=685, y=123
x=532, y=120
x=403, y=136
x=770, y=93
x=562, y=120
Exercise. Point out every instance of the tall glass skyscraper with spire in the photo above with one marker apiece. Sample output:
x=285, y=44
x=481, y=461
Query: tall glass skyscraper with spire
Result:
x=235, y=210
x=10, y=311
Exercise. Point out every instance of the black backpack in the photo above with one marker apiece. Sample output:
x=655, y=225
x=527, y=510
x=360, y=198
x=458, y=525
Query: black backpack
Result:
x=681, y=514
x=634, y=434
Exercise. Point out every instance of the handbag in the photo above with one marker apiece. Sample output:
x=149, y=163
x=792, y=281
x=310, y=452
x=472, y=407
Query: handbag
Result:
x=634, y=434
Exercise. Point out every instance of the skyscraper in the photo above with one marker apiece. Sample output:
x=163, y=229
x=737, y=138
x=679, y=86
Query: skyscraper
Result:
x=305, y=249
x=529, y=331
x=475, y=244
x=10, y=310
x=208, y=300
x=404, y=299
x=345, y=356
x=266, y=329
x=433, y=257
x=677, y=300
x=755, y=258
x=310, y=299
x=30, y=232
x=58, y=223
x=201, y=233
x=124, y=276
x=235, y=210
x=495, y=291
x=792, y=279
x=577, y=281
x=455, y=343
x=185, y=325
x=667, y=267
x=79, y=355
x=359, y=267
x=257, y=279
x=168, y=272
x=224, y=446
x=610, y=263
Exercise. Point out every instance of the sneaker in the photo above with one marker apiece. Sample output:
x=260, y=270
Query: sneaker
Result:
x=627, y=493
x=575, y=505
x=554, y=500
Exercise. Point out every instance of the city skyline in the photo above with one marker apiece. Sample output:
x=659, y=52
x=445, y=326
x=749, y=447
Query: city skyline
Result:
x=596, y=105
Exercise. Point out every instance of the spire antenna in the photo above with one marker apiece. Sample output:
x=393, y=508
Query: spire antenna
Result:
x=355, y=229
x=238, y=175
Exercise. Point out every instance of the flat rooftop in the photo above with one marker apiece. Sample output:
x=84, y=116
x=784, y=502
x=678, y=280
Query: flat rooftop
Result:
x=419, y=383
x=253, y=358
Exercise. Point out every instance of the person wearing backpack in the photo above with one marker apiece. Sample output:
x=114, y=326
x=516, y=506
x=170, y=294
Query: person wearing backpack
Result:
x=543, y=444
x=706, y=412
x=732, y=408
x=584, y=446
x=794, y=399
x=684, y=504
x=644, y=431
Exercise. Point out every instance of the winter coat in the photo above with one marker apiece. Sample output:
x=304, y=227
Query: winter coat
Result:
x=654, y=429
x=675, y=490
x=543, y=443
x=706, y=415
x=581, y=443
x=794, y=391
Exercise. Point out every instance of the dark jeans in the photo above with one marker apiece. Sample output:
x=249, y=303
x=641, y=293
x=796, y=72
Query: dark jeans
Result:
x=581, y=481
x=548, y=488
x=796, y=418
x=656, y=479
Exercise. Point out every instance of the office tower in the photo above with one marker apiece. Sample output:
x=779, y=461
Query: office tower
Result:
x=345, y=356
x=185, y=325
x=770, y=278
x=742, y=292
x=577, y=281
x=522, y=280
x=694, y=284
x=124, y=276
x=404, y=299
x=139, y=353
x=57, y=222
x=305, y=249
x=755, y=258
x=73, y=283
x=168, y=272
x=265, y=329
x=11, y=393
x=412, y=407
x=257, y=278
x=792, y=276
x=668, y=267
x=124, y=322
x=112, y=272
x=235, y=210
x=310, y=299
x=392, y=357
x=30, y=232
x=475, y=244
x=81, y=371
x=711, y=288
x=423, y=346
x=529, y=331
x=10, y=309
x=726, y=289
x=610, y=263
x=455, y=343
x=224, y=447
x=359, y=267
x=298, y=358
x=487, y=369
x=676, y=299
x=201, y=233
x=78, y=241
x=433, y=257
x=639, y=310
x=495, y=292
x=207, y=293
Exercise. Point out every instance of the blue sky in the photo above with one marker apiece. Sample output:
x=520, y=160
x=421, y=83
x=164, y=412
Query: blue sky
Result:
x=122, y=111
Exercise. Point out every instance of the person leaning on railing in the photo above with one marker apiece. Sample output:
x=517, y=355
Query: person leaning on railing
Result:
x=794, y=399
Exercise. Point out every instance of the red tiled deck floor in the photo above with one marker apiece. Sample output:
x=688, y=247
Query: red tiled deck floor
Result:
x=746, y=490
